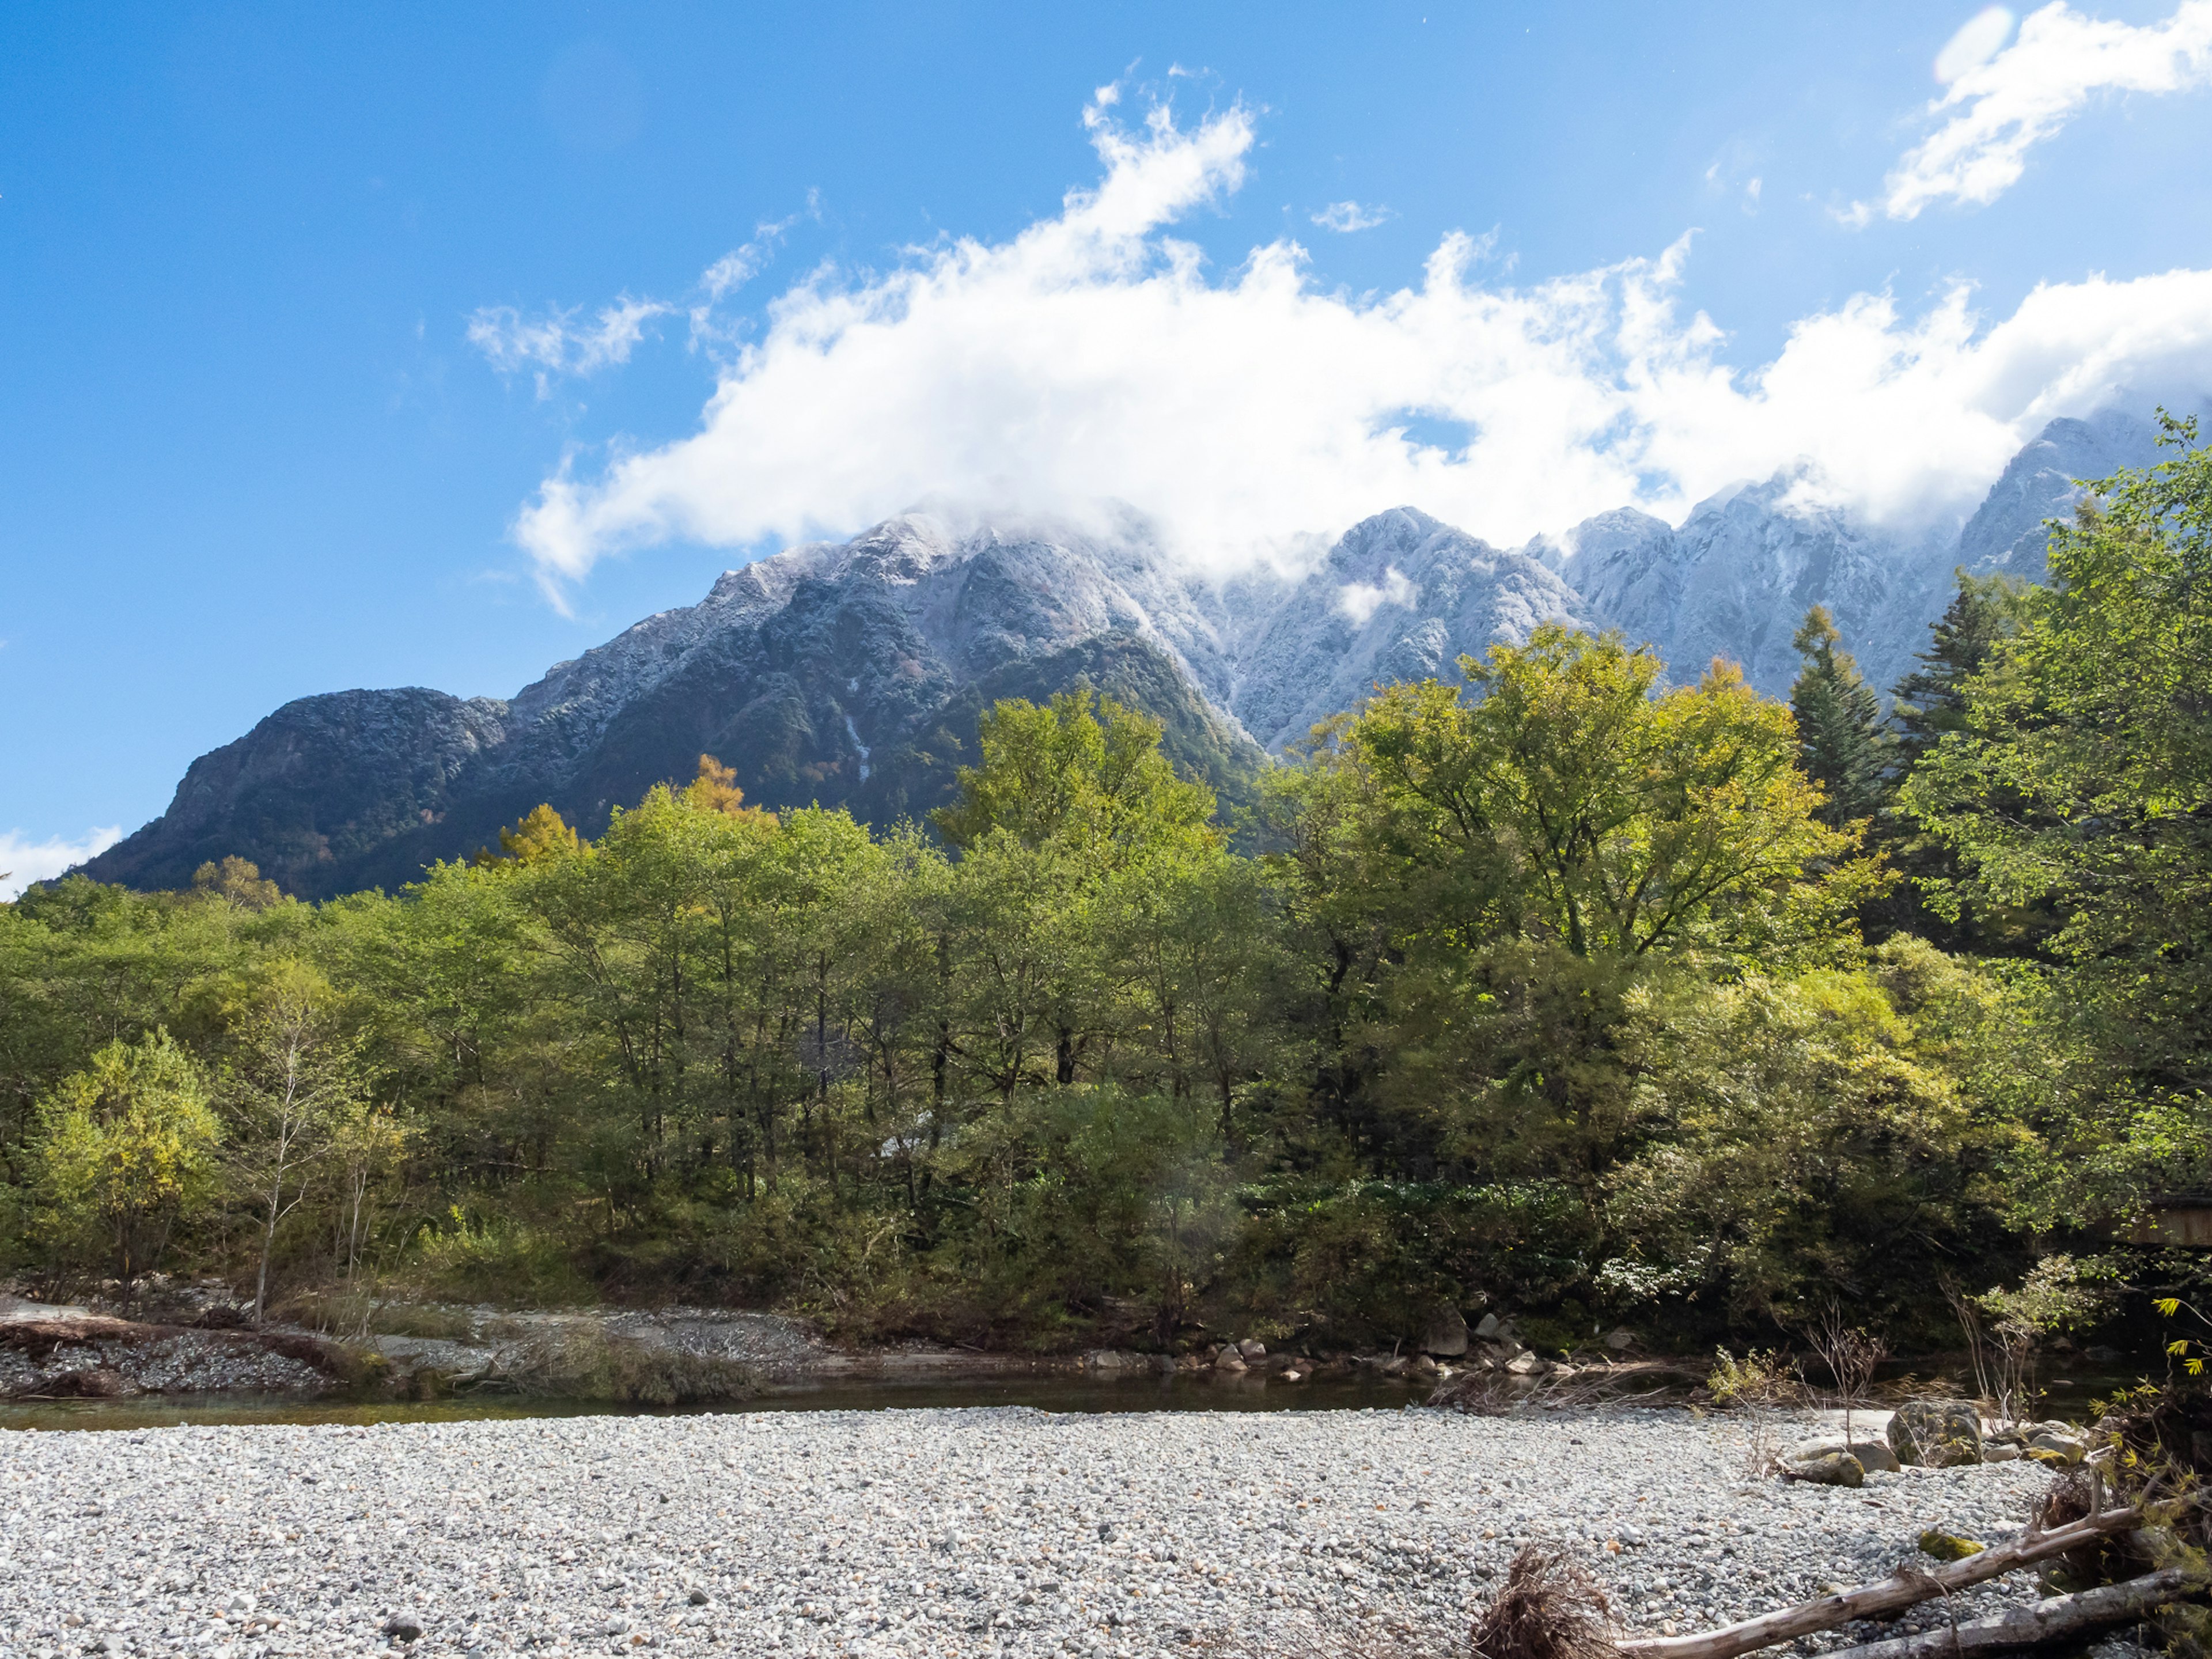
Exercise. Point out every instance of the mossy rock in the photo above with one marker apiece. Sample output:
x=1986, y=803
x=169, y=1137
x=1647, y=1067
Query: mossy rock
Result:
x=1936, y=1434
x=1948, y=1547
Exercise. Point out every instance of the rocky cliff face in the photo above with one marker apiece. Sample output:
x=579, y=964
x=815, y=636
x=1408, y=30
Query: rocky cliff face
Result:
x=853, y=673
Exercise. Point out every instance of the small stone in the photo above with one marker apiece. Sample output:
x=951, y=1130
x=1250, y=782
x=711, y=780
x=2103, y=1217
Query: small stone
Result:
x=403, y=1627
x=1525, y=1365
x=698, y=1598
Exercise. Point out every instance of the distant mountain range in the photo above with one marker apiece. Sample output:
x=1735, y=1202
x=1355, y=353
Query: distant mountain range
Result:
x=853, y=673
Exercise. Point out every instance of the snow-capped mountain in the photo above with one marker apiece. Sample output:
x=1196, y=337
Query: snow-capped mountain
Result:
x=853, y=673
x=1401, y=597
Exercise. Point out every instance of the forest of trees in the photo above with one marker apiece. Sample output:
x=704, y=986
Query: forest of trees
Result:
x=1568, y=988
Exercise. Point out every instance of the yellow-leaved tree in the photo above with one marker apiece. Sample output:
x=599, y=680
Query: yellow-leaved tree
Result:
x=127, y=1150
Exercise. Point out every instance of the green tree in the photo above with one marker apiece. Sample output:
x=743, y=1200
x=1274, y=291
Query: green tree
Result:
x=127, y=1150
x=1565, y=801
x=1930, y=701
x=1842, y=743
x=1485, y=879
x=1813, y=1140
x=1930, y=704
x=1083, y=773
x=2083, y=784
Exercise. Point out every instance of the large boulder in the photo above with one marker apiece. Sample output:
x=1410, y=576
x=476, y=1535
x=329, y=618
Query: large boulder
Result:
x=2057, y=1444
x=1871, y=1454
x=1447, y=1333
x=1936, y=1434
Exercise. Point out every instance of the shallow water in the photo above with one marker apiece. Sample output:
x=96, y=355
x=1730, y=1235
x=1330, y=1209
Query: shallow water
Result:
x=1050, y=1394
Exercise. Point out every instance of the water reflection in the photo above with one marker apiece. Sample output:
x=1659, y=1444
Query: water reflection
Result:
x=1182, y=1392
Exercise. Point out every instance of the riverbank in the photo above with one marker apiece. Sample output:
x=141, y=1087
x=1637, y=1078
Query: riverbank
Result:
x=939, y=1532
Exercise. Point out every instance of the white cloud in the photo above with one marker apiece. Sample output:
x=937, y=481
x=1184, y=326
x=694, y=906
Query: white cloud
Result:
x=1979, y=39
x=734, y=270
x=1360, y=600
x=1094, y=356
x=1345, y=216
x=22, y=862
x=554, y=343
x=2002, y=104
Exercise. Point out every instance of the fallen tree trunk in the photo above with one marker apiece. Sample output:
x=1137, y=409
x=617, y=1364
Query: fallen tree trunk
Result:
x=1905, y=1588
x=2046, y=1621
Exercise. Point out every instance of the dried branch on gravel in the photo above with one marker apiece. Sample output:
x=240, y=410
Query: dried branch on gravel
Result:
x=2063, y=1616
x=1902, y=1589
x=1549, y=1608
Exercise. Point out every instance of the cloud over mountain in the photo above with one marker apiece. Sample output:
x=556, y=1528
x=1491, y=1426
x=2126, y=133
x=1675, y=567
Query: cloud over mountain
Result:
x=1094, y=356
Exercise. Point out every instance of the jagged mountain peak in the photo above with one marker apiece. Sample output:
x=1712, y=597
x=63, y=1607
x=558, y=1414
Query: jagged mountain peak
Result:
x=1400, y=596
x=855, y=673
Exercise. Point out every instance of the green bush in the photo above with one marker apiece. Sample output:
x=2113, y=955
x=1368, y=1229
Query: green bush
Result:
x=506, y=1262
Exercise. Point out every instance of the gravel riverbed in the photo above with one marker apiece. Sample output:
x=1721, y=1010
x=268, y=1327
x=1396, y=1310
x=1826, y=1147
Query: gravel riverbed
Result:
x=956, y=1531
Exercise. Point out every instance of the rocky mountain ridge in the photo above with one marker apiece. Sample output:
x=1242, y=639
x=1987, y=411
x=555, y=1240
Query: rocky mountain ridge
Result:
x=853, y=673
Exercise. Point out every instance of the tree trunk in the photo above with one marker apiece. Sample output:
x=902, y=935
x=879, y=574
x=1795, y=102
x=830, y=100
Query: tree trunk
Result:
x=1905, y=1588
x=2061, y=1616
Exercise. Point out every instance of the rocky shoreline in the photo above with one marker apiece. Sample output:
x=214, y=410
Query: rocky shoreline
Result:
x=196, y=1341
x=938, y=1532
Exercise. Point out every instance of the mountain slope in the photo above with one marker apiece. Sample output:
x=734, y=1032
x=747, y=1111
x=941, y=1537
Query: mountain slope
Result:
x=850, y=674
x=855, y=673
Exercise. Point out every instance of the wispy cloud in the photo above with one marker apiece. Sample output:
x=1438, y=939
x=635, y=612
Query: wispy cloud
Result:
x=1095, y=356
x=554, y=343
x=23, y=861
x=2002, y=104
x=730, y=273
x=1346, y=216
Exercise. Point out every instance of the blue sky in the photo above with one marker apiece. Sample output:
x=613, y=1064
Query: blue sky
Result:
x=376, y=348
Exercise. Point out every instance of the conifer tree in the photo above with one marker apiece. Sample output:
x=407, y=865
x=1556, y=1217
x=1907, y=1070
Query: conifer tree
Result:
x=1931, y=700
x=1841, y=743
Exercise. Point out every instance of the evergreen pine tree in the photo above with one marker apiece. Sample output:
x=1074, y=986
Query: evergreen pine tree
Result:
x=1931, y=700
x=1842, y=743
x=1930, y=703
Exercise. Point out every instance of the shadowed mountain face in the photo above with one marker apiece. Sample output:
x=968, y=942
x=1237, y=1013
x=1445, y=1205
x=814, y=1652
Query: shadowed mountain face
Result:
x=854, y=674
x=850, y=675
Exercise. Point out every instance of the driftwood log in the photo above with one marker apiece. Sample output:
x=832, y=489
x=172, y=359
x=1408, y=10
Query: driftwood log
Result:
x=1905, y=1588
x=2046, y=1621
